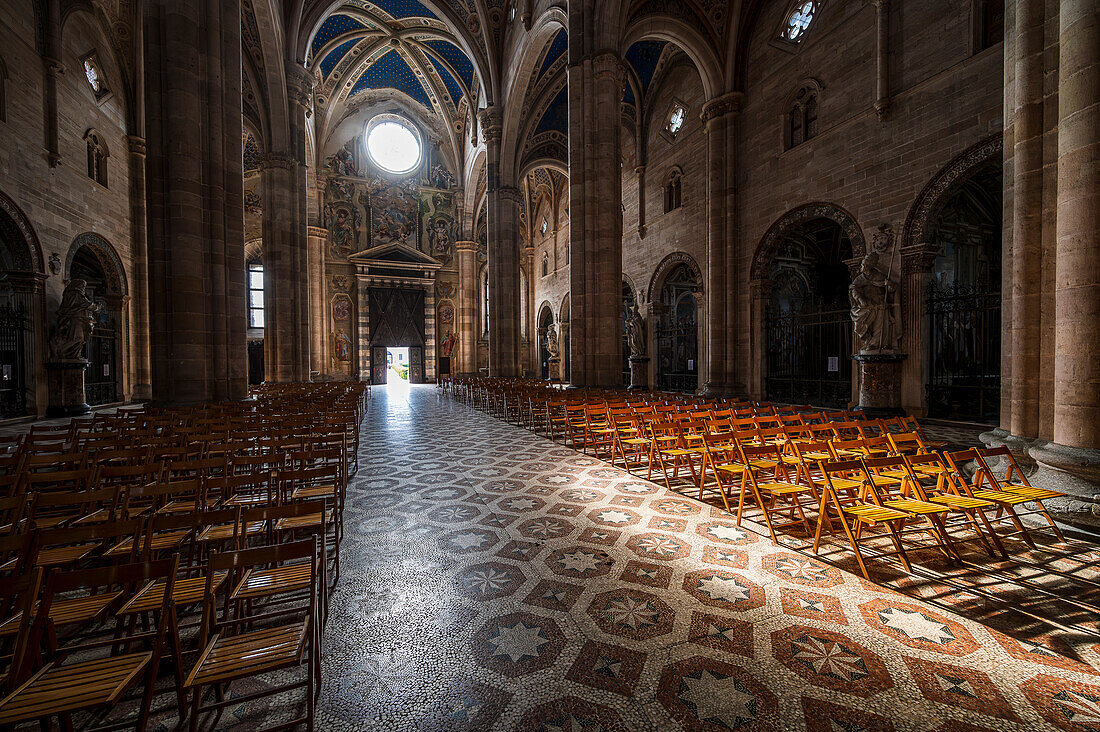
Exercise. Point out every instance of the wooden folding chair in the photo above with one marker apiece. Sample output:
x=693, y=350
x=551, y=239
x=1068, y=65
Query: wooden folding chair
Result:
x=69, y=546
x=723, y=460
x=669, y=446
x=1015, y=481
x=246, y=640
x=929, y=475
x=889, y=482
x=55, y=509
x=106, y=670
x=841, y=494
x=765, y=477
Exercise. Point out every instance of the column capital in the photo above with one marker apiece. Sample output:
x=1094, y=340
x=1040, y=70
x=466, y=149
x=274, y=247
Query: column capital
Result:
x=606, y=64
x=492, y=122
x=299, y=84
x=273, y=160
x=465, y=246
x=25, y=282
x=919, y=258
x=136, y=145
x=721, y=106
x=510, y=194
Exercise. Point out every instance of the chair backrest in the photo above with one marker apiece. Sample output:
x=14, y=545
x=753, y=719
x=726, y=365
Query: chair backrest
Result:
x=48, y=507
x=17, y=597
x=907, y=443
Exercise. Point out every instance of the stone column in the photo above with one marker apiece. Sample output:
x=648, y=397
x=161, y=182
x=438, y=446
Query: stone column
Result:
x=595, y=220
x=196, y=218
x=882, y=48
x=504, y=252
x=760, y=291
x=640, y=171
x=318, y=300
x=1027, y=230
x=466, y=318
x=719, y=116
x=916, y=275
x=53, y=68
x=531, y=353
x=1072, y=462
x=282, y=357
x=139, y=248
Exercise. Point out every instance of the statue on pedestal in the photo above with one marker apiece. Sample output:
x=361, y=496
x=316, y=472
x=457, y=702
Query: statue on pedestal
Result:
x=552, y=341
x=874, y=297
x=75, y=321
x=635, y=332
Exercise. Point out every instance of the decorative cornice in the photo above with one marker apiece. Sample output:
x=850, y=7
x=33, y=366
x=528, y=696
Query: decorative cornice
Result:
x=465, y=246
x=317, y=231
x=721, y=106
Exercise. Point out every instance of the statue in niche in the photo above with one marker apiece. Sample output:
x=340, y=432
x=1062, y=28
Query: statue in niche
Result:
x=439, y=232
x=874, y=297
x=552, y=341
x=635, y=331
x=75, y=320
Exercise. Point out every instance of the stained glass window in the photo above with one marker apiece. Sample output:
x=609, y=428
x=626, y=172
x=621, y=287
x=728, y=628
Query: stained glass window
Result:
x=91, y=73
x=676, y=119
x=799, y=20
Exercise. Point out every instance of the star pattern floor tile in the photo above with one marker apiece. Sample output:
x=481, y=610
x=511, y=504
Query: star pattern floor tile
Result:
x=494, y=580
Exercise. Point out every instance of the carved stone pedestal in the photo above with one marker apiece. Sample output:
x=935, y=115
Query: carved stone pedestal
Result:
x=66, y=384
x=880, y=383
x=555, y=368
x=639, y=372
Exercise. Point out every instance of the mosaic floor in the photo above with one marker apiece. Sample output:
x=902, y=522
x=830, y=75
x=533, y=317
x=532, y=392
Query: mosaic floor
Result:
x=494, y=580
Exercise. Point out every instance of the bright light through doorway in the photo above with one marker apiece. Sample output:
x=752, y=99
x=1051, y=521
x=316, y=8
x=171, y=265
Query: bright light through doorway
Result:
x=398, y=361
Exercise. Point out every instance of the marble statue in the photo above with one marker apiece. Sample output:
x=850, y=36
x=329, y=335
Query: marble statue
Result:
x=552, y=341
x=874, y=297
x=75, y=321
x=635, y=332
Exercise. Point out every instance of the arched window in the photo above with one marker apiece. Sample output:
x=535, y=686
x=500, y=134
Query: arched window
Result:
x=97, y=157
x=255, y=295
x=93, y=73
x=674, y=191
x=485, y=303
x=802, y=116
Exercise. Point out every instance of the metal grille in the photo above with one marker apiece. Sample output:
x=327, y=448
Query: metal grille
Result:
x=810, y=357
x=677, y=347
x=965, y=355
x=101, y=378
x=13, y=383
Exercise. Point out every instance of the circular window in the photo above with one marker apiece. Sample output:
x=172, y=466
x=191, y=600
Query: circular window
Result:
x=393, y=144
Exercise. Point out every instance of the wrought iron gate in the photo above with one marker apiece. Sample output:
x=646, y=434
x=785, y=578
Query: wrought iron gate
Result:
x=13, y=377
x=965, y=352
x=677, y=345
x=810, y=357
x=101, y=378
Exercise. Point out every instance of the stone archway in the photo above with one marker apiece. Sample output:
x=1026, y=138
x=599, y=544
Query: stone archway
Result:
x=788, y=313
x=93, y=259
x=545, y=320
x=22, y=315
x=675, y=297
x=952, y=323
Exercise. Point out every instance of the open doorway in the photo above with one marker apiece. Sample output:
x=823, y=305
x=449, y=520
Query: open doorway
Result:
x=397, y=360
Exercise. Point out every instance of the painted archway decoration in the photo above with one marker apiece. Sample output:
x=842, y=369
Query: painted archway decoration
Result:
x=943, y=183
x=794, y=218
x=667, y=265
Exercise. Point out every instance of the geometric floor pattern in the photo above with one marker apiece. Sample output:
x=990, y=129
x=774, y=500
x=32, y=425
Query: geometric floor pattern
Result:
x=494, y=580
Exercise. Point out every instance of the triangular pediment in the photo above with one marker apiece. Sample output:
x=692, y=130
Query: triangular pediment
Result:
x=395, y=252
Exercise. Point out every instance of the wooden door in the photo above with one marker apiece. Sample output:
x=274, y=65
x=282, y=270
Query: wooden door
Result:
x=378, y=365
x=416, y=365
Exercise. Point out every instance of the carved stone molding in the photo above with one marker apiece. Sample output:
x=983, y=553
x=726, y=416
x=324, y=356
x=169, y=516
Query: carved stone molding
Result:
x=608, y=65
x=796, y=217
x=510, y=194
x=318, y=231
x=943, y=182
x=492, y=120
x=666, y=266
x=465, y=246
x=299, y=84
x=720, y=106
x=918, y=258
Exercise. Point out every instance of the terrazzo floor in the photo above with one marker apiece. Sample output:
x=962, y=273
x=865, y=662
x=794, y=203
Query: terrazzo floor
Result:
x=494, y=580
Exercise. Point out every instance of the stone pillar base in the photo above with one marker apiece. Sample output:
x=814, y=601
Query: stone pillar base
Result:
x=66, y=385
x=1074, y=471
x=639, y=372
x=554, y=365
x=880, y=384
